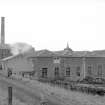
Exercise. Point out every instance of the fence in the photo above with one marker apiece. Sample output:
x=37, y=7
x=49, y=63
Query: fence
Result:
x=73, y=86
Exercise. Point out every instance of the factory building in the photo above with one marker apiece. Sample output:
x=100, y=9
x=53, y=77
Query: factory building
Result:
x=65, y=64
x=68, y=64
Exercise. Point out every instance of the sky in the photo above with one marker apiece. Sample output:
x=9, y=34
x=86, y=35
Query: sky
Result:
x=50, y=24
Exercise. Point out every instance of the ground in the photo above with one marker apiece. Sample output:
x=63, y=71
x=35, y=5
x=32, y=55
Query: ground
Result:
x=4, y=99
x=66, y=97
x=69, y=97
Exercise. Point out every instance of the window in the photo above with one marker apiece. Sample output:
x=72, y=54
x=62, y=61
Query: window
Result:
x=68, y=71
x=44, y=72
x=78, y=71
x=99, y=70
x=89, y=70
x=1, y=67
x=56, y=71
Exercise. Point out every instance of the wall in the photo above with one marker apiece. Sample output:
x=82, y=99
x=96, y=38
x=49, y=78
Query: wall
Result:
x=18, y=64
x=73, y=63
x=5, y=53
x=48, y=62
x=94, y=61
x=44, y=62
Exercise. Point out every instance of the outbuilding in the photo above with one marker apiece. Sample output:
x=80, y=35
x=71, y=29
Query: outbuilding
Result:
x=18, y=64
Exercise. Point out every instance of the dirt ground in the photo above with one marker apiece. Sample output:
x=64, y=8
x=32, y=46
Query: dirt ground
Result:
x=69, y=97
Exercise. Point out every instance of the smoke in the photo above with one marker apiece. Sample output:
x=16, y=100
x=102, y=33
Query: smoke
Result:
x=21, y=48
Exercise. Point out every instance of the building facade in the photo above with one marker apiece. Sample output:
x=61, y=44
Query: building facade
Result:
x=18, y=65
x=69, y=65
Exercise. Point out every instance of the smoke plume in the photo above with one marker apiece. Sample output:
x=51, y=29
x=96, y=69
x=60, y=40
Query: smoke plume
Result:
x=21, y=48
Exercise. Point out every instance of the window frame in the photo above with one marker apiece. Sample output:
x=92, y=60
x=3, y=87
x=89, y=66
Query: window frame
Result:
x=44, y=72
x=68, y=71
x=99, y=73
x=78, y=71
x=56, y=71
x=1, y=66
x=89, y=71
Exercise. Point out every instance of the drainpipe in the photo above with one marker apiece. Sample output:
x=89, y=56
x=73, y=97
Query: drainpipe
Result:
x=84, y=67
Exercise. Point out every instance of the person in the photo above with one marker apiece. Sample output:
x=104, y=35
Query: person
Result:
x=9, y=72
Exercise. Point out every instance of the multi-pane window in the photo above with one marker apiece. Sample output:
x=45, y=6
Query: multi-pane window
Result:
x=68, y=71
x=56, y=71
x=44, y=72
x=99, y=70
x=78, y=71
x=89, y=71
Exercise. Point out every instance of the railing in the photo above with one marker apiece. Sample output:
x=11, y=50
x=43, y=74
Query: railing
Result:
x=74, y=86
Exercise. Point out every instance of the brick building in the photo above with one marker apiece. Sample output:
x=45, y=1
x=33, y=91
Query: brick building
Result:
x=68, y=64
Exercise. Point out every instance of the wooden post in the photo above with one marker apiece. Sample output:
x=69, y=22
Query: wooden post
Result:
x=10, y=95
x=43, y=100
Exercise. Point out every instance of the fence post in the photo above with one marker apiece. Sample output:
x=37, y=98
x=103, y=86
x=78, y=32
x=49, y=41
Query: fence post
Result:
x=43, y=100
x=9, y=95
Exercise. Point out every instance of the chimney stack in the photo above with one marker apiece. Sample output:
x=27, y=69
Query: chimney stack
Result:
x=2, y=30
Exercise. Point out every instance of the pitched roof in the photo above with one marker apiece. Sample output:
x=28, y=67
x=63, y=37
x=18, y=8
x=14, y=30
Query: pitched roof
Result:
x=67, y=53
x=44, y=52
x=61, y=53
x=98, y=53
x=12, y=57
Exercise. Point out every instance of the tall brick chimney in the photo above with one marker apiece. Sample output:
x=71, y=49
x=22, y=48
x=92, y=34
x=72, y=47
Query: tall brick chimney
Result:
x=2, y=30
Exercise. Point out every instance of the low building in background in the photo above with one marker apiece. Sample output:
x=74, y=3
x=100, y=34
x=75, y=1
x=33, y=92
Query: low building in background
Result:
x=19, y=65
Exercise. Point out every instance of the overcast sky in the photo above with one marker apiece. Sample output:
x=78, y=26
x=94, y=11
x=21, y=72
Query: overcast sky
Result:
x=50, y=24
